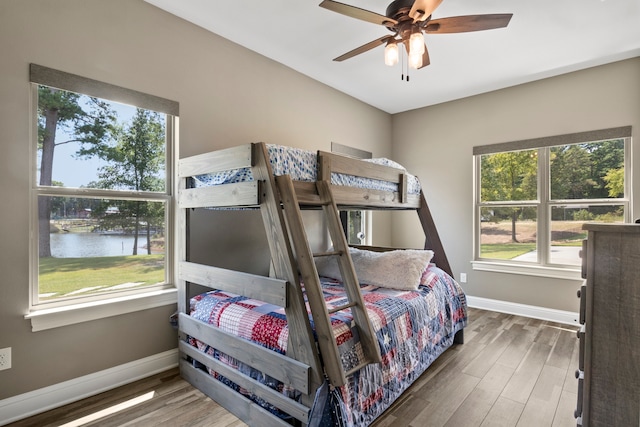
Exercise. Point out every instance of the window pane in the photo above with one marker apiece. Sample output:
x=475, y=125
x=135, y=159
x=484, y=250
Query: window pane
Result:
x=98, y=246
x=508, y=233
x=567, y=233
x=355, y=224
x=587, y=171
x=90, y=142
x=509, y=176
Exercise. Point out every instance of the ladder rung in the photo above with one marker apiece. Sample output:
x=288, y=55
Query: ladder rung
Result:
x=342, y=307
x=331, y=253
x=316, y=203
x=358, y=367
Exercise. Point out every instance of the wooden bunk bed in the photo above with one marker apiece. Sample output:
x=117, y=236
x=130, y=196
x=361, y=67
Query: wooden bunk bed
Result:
x=266, y=387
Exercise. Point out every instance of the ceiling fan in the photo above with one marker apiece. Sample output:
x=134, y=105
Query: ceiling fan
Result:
x=408, y=20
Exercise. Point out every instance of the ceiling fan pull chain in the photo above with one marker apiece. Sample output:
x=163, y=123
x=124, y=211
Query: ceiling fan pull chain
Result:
x=402, y=65
x=408, y=69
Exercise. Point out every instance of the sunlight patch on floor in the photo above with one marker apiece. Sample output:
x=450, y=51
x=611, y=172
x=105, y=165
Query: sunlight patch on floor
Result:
x=110, y=411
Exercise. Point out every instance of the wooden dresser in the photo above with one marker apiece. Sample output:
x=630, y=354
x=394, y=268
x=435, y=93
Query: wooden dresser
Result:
x=609, y=362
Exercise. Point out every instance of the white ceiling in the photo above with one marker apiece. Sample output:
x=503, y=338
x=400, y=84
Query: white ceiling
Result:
x=543, y=39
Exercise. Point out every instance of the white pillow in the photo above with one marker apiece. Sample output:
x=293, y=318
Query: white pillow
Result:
x=397, y=269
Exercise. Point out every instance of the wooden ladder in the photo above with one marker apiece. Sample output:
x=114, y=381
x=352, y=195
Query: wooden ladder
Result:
x=321, y=314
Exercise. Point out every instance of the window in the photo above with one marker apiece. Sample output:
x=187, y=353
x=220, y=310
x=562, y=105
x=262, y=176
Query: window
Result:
x=533, y=196
x=355, y=223
x=102, y=189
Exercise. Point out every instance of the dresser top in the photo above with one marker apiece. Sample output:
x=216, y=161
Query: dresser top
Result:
x=612, y=228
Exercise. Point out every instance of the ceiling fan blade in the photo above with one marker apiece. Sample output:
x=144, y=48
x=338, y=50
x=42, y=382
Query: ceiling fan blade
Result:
x=422, y=9
x=364, y=48
x=356, y=12
x=463, y=24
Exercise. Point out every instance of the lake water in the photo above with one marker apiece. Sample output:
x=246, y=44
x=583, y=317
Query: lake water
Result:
x=78, y=245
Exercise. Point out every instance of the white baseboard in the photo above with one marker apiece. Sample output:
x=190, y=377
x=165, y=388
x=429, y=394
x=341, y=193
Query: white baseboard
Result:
x=542, y=313
x=44, y=399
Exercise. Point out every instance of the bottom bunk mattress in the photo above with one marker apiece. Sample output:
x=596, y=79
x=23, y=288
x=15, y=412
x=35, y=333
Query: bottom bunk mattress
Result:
x=412, y=327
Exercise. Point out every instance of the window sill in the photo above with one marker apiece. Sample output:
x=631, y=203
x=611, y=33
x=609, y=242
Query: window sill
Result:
x=50, y=318
x=528, y=270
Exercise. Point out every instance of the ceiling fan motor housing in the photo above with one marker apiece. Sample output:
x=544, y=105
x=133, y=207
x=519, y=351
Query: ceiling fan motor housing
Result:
x=398, y=10
x=396, y=6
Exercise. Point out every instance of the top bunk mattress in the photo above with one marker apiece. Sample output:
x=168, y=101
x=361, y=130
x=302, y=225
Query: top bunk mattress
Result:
x=302, y=165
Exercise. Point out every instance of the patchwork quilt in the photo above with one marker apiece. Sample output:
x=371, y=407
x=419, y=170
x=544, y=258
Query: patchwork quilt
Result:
x=412, y=328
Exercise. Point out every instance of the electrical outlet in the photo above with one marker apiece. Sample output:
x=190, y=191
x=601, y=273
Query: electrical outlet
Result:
x=463, y=277
x=5, y=358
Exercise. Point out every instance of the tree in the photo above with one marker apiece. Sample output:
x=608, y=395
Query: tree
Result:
x=571, y=172
x=606, y=156
x=614, y=179
x=62, y=110
x=510, y=176
x=135, y=161
x=579, y=171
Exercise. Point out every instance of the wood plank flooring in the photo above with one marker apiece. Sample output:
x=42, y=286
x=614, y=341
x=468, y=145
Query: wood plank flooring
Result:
x=511, y=371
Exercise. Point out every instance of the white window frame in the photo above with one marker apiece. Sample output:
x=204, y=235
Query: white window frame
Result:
x=543, y=267
x=51, y=314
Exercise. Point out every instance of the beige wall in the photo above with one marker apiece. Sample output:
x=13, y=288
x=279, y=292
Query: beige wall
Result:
x=436, y=143
x=228, y=96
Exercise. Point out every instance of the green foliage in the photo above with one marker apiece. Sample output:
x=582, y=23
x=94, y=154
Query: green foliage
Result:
x=509, y=176
x=580, y=171
x=136, y=155
x=583, y=215
x=614, y=179
x=617, y=216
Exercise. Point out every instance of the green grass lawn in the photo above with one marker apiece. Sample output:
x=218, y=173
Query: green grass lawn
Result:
x=506, y=250
x=61, y=276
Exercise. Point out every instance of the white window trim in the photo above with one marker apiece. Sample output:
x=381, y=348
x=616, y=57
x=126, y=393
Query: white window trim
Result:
x=55, y=317
x=538, y=269
x=63, y=313
x=567, y=273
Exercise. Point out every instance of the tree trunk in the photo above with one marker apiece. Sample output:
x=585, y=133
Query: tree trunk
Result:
x=148, y=238
x=136, y=229
x=514, y=219
x=46, y=168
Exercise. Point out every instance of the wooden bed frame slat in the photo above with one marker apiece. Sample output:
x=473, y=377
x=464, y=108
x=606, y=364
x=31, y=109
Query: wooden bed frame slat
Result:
x=237, y=194
x=357, y=167
x=237, y=404
x=357, y=198
x=279, y=400
x=373, y=198
x=283, y=368
x=267, y=289
x=229, y=158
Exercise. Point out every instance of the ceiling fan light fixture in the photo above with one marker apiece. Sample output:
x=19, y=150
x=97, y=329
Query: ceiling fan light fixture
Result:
x=391, y=54
x=416, y=43
x=415, y=60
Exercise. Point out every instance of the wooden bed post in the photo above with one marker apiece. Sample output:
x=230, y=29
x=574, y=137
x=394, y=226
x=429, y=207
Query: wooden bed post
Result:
x=433, y=242
x=432, y=238
x=301, y=345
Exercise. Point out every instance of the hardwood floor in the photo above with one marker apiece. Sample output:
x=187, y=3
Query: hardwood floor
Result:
x=511, y=371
